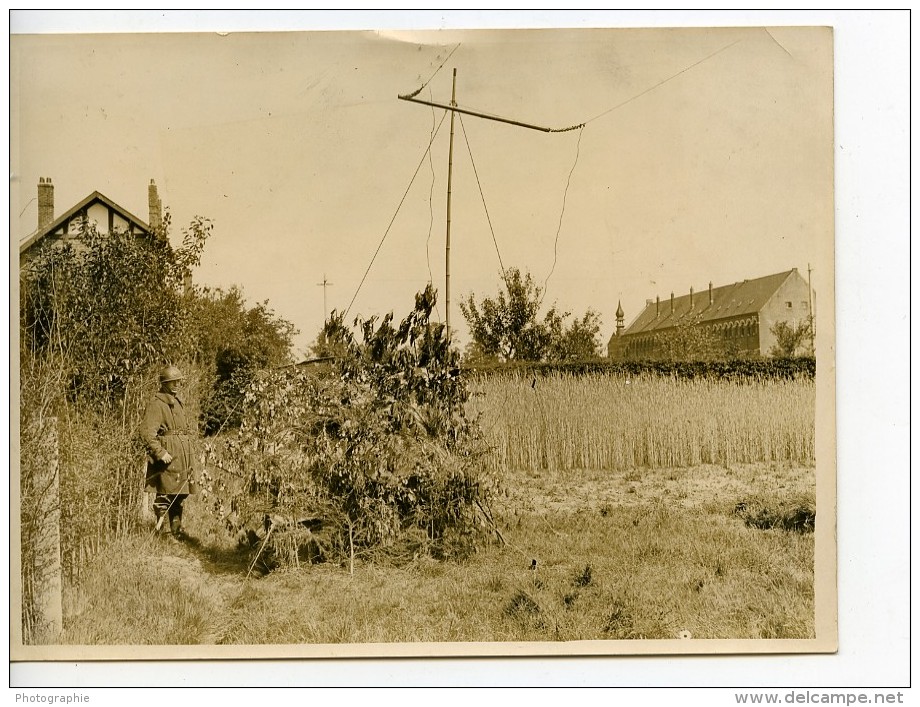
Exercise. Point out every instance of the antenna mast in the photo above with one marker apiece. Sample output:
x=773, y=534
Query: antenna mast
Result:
x=450, y=163
x=450, y=170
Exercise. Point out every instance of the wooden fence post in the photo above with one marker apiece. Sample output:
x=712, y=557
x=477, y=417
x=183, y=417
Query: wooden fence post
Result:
x=42, y=590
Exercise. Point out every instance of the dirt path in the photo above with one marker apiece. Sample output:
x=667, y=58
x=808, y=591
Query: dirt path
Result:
x=216, y=578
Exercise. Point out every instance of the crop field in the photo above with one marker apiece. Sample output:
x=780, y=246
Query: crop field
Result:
x=647, y=509
x=603, y=422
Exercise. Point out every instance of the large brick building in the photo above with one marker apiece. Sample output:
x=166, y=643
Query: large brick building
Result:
x=738, y=318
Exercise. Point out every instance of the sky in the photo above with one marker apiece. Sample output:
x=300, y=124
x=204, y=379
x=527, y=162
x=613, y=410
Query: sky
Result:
x=183, y=117
x=706, y=156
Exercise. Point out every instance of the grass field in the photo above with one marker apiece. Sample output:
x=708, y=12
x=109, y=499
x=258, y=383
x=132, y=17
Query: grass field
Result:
x=656, y=554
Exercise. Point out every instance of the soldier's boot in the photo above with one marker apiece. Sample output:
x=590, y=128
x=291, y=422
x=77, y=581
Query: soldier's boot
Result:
x=175, y=527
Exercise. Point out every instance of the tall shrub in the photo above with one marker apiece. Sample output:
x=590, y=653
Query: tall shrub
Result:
x=99, y=312
x=108, y=306
x=379, y=447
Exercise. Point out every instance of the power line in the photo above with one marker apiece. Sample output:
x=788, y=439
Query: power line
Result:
x=455, y=110
x=380, y=245
x=562, y=213
x=420, y=88
x=661, y=83
x=431, y=165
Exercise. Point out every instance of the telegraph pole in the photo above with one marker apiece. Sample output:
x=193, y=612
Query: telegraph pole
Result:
x=324, y=284
x=811, y=313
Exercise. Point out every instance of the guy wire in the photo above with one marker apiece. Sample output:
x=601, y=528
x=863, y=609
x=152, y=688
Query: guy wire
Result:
x=483, y=196
x=380, y=245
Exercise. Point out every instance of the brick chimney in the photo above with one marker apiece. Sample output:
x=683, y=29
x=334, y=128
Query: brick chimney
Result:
x=672, y=303
x=657, y=306
x=45, y=201
x=155, y=205
x=691, y=298
x=710, y=293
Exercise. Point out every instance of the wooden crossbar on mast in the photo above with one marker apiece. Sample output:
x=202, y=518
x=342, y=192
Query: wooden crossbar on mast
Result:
x=450, y=162
x=454, y=109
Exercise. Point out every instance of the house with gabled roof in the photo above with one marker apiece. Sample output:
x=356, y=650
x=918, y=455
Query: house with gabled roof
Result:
x=96, y=208
x=739, y=317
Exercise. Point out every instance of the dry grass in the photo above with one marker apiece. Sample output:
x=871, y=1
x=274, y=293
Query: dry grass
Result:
x=143, y=590
x=604, y=422
x=674, y=556
x=655, y=571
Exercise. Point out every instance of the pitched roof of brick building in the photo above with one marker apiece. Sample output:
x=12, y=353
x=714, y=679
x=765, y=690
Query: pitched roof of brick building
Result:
x=728, y=301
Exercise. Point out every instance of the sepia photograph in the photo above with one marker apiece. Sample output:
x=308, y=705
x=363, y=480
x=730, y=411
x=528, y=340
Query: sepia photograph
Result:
x=424, y=343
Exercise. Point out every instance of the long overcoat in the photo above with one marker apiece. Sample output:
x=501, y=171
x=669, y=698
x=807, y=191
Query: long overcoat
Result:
x=166, y=428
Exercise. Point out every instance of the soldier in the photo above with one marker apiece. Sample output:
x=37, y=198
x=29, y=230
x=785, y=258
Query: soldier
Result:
x=168, y=436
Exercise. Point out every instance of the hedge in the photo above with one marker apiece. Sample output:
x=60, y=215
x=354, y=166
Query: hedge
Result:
x=737, y=370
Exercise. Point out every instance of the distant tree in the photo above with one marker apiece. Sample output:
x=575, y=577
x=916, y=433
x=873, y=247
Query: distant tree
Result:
x=688, y=341
x=474, y=355
x=219, y=320
x=324, y=345
x=508, y=327
x=791, y=338
x=232, y=342
x=578, y=341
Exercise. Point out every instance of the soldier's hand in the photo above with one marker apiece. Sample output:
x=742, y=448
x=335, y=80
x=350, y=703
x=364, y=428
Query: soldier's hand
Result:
x=166, y=458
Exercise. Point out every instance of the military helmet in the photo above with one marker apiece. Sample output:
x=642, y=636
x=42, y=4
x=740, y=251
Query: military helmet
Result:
x=170, y=373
